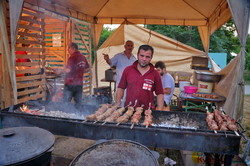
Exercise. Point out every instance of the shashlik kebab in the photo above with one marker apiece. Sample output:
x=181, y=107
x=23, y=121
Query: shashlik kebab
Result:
x=116, y=114
x=211, y=122
x=100, y=111
x=219, y=121
x=107, y=113
x=148, y=118
x=136, y=116
x=125, y=117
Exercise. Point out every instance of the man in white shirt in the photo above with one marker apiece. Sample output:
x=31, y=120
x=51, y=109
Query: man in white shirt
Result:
x=121, y=61
x=167, y=83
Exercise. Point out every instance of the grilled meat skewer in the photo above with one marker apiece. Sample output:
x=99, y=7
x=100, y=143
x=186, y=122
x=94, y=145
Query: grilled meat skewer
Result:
x=137, y=115
x=100, y=111
x=125, y=117
x=107, y=113
x=116, y=114
x=148, y=118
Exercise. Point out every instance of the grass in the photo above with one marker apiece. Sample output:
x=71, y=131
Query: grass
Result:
x=246, y=122
x=247, y=77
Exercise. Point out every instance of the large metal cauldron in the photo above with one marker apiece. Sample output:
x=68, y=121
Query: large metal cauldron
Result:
x=25, y=146
x=116, y=153
x=207, y=76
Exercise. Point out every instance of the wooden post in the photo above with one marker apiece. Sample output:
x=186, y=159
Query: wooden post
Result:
x=7, y=50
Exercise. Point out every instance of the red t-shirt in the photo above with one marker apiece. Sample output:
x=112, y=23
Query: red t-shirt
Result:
x=77, y=63
x=141, y=87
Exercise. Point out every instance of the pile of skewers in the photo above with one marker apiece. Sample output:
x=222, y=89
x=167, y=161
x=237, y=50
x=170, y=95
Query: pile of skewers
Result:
x=111, y=113
x=220, y=121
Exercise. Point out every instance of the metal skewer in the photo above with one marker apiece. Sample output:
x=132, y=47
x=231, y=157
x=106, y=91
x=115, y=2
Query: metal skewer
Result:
x=149, y=106
x=236, y=133
x=132, y=126
x=135, y=103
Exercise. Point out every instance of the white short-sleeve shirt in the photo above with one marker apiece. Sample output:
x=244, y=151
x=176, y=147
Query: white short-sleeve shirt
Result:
x=121, y=61
x=168, y=82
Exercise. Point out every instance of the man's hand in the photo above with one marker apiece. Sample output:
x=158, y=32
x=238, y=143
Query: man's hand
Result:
x=106, y=58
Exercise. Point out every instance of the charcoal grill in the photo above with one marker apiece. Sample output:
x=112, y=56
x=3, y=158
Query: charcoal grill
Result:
x=190, y=133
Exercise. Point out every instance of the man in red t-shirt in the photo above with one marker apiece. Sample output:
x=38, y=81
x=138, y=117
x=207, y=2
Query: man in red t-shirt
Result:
x=141, y=81
x=76, y=66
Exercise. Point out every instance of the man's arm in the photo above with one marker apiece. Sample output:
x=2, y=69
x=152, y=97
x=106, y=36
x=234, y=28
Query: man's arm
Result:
x=167, y=91
x=119, y=95
x=160, y=101
x=107, y=59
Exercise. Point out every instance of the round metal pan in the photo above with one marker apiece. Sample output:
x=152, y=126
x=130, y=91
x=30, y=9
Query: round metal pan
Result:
x=219, y=99
x=116, y=153
x=207, y=76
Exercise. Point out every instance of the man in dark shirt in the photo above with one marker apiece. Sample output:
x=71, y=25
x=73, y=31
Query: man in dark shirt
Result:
x=76, y=66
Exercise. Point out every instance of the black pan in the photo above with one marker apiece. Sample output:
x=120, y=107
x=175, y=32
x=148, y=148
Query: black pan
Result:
x=116, y=152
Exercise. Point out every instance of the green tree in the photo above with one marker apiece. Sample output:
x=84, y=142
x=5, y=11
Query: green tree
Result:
x=106, y=32
x=185, y=34
x=223, y=40
x=247, y=66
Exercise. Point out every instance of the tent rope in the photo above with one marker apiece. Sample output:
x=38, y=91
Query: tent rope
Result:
x=149, y=36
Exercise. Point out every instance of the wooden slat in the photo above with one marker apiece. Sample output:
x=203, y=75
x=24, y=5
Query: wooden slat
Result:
x=54, y=26
x=38, y=36
x=50, y=41
x=28, y=63
x=29, y=27
x=54, y=48
x=30, y=56
x=34, y=97
x=40, y=42
x=51, y=44
x=30, y=49
x=52, y=31
x=30, y=84
x=29, y=91
x=31, y=71
x=30, y=78
x=54, y=58
x=31, y=20
x=37, y=14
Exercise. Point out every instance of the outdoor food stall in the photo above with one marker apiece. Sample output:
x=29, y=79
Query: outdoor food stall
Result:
x=49, y=26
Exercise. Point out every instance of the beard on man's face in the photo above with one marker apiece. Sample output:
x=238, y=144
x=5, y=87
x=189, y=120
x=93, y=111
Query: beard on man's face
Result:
x=143, y=65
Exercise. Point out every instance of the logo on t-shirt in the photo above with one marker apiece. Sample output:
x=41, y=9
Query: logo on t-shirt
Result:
x=147, y=86
x=81, y=64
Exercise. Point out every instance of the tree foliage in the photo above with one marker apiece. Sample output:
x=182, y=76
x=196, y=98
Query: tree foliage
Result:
x=247, y=67
x=223, y=40
x=106, y=32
